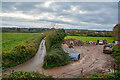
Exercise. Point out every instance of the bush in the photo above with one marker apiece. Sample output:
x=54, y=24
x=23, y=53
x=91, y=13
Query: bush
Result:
x=116, y=74
x=25, y=75
x=21, y=52
x=55, y=54
x=118, y=59
x=56, y=57
x=54, y=37
x=95, y=75
x=113, y=75
x=116, y=53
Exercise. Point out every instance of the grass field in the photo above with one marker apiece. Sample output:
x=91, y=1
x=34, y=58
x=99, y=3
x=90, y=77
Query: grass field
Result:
x=84, y=39
x=10, y=40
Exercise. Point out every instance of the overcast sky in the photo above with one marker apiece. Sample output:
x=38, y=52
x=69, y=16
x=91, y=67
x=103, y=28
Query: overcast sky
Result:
x=70, y=15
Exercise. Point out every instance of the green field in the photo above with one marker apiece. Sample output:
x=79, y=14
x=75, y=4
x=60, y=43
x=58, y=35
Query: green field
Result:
x=10, y=40
x=84, y=39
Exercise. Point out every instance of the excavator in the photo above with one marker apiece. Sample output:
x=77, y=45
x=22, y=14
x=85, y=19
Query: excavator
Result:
x=70, y=45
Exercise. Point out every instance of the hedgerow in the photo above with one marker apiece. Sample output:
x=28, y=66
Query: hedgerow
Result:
x=21, y=75
x=55, y=54
x=21, y=53
x=116, y=53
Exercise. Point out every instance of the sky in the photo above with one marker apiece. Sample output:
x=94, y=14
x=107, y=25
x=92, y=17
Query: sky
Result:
x=68, y=15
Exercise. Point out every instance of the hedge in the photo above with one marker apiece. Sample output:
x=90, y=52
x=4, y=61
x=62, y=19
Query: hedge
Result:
x=22, y=52
x=116, y=53
x=56, y=57
x=21, y=75
x=54, y=37
x=55, y=54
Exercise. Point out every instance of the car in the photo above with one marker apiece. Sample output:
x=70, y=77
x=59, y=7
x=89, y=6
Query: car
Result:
x=100, y=42
x=95, y=42
x=108, y=48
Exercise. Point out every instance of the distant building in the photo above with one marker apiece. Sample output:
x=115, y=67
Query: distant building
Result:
x=96, y=32
x=116, y=32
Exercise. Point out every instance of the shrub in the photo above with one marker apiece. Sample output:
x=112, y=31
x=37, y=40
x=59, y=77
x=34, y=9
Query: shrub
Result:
x=25, y=75
x=56, y=57
x=95, y=75
x=116, y=53
x=21, y=52
x=118, y=59
x=54, y=37
x=116, y=74
x=110, y=75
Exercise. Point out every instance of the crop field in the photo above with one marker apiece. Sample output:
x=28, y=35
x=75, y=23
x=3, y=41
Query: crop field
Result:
x=84, y=39
x=10, y=40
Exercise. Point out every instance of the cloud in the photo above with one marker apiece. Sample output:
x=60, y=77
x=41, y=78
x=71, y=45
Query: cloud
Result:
x=80, y=15
x=47, y=4
x=18, y=15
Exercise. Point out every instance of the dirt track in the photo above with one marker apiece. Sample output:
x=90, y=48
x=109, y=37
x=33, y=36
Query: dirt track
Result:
x=92, y=60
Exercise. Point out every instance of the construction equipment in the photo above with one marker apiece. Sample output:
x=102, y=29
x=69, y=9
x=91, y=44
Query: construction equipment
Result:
x=108, y=48
x=70, y=44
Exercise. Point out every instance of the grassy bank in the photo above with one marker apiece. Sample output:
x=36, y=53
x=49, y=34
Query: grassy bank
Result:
x=55, y=54
x=10, y=40
x=21, y=52
x=84, y=39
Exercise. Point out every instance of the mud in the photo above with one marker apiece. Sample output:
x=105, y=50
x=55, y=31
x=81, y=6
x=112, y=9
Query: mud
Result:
x=92, y=60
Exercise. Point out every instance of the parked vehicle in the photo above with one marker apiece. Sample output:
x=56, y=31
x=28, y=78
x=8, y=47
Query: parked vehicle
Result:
x=104, y=41
x=91, y=42
x=101, y=41
x=95, y=42
x=108, y=48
